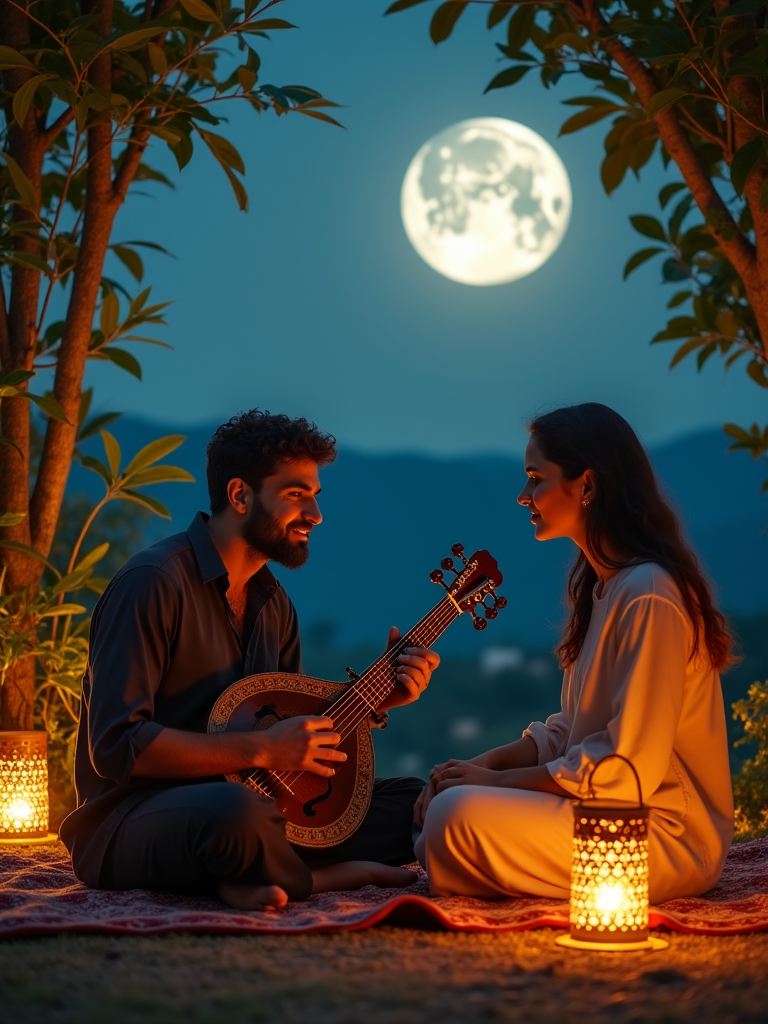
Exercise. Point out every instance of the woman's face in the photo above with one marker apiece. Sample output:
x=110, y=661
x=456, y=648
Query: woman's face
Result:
x=555, y=503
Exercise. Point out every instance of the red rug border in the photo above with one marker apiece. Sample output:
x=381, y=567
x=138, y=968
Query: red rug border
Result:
x=657, y=920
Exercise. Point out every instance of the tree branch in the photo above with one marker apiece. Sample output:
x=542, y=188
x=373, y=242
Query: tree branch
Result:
x=51, y=133
x=732, y=241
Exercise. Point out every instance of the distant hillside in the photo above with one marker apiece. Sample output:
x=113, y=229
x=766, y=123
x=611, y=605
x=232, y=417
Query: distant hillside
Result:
x=390, y=519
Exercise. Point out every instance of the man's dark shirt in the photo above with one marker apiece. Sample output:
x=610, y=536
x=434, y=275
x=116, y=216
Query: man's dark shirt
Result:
x=164, y=646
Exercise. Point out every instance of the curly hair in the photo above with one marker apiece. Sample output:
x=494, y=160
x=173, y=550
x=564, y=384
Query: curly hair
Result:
x=251, y=445
x=629, y=516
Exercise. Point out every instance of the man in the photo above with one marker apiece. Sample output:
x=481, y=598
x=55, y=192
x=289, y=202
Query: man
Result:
x=177, y=625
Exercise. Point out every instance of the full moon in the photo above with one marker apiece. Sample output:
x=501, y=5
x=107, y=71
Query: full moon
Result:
x=486, y=201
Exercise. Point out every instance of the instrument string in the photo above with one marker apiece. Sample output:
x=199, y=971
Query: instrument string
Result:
x=352, y=708
x=379, y=673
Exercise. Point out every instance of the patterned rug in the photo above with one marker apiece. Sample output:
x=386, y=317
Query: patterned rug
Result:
x=40, y=895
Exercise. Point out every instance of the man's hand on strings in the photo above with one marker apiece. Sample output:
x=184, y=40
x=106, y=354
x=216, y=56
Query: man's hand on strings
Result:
x=298, y=745
x=415, y=666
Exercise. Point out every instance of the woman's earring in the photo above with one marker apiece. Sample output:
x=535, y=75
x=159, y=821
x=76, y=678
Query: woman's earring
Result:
x=585, y=502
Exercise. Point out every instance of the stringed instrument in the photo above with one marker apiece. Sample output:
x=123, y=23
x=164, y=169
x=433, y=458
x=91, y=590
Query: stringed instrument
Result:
x=323, y=812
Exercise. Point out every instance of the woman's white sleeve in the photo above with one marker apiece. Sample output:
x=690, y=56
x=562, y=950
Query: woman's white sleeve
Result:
x=644, y=699
x=551, y=736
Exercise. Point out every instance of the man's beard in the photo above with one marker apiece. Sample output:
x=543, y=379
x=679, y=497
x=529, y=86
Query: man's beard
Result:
x=266, y=536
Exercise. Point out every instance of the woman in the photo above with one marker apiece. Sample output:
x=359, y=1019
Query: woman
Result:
x=641, y=651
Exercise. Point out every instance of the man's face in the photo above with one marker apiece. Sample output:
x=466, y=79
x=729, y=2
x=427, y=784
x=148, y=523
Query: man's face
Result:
x=284, y=512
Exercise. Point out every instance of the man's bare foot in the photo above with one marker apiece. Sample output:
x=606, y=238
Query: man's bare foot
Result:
x=252, y=897
x=354, y=874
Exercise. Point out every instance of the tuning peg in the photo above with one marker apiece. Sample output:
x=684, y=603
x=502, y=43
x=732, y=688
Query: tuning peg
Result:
x=447, y=564
x=477, y=622
x=499, y=602
x=490, y=613
x=436, y=576
x=458, y=552
x=353, y=676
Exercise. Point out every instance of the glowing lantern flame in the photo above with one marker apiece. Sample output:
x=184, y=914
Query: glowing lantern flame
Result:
x=609, y=875
x=609, y=898
x=24, y=787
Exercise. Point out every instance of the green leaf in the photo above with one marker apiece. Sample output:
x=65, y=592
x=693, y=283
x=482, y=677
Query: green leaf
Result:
x=15, y=545
x=92, y=558
x=97, y=466
x=12, y=518
x=21, y=183
x=678, y=299
x=614, y=168
x=172, y=138
x=237, y=186
x=748, y=67
x=130, y=259
x=639, y=258
x=744, y=162
x=508, y=77
x=16, y=377
x=520, y=25
x=444, y=19
x=110, y=314
x=668, y=191
x=758, y=372
x=160, y=475
x=125, y=360
x=223, y=150
x=157, y=58
x=50, y=406
x=587, y=117
x=269, y=24
x=662, y=100
x=685, y=350
x=498, y=13
x=648, y=226
x=144, y=499
x=24, y=96
x=246, y=78
x=13, y=59
x=26, y=259
x=154, y=451
x=114, y=455
x=135, y=40
x=98, y=423
x=199, y=10
x=63, y=609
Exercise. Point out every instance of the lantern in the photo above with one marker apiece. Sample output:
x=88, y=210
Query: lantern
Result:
x=609, y=874
x=24, y=788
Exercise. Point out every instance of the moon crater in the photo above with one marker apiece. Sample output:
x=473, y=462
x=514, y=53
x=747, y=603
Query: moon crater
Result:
x=486, y=201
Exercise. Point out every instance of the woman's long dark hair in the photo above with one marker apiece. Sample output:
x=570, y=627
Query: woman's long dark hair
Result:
x=628, y=516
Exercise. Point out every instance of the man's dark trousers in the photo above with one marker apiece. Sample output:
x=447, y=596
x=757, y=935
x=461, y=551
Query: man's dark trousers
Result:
x=187, y=838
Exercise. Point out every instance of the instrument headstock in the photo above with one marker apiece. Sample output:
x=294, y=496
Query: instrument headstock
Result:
x=476, y=579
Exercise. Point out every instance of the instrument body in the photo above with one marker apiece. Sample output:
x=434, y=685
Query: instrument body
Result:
x=323, y=812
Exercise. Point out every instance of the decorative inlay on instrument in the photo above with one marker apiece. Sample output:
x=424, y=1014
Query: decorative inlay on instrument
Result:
x=321, y=811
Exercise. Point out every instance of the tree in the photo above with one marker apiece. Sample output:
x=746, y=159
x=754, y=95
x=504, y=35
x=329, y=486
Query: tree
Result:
x=87, y=87
x=687, y=81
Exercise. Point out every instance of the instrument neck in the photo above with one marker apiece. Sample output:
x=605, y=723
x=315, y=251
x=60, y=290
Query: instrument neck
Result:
x=378, y=681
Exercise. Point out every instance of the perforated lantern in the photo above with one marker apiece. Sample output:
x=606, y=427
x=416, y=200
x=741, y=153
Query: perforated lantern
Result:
x=609, y=874
x=24, y=788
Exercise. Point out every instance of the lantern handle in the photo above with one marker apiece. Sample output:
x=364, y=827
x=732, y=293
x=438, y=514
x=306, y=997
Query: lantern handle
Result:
x=591, y=792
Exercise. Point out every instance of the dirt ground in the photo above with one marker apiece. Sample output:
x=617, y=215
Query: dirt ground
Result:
x=385, y=974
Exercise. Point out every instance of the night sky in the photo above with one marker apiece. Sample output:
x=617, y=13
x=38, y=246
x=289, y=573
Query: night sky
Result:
x=314, y=303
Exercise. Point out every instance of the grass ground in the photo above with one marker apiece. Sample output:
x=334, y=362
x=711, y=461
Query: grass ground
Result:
x=385, y=975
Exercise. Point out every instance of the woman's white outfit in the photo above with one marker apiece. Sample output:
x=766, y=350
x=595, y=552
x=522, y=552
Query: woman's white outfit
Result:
x=632, y=691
